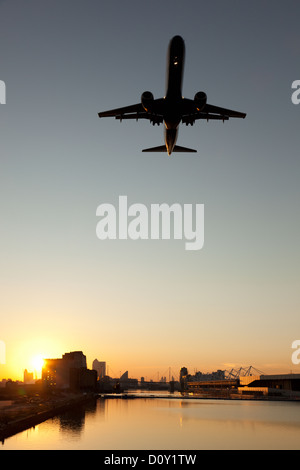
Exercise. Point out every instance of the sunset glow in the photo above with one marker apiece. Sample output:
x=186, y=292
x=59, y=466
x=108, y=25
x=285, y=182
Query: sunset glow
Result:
x=37, y=363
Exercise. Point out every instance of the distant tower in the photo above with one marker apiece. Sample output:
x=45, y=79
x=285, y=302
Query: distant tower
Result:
x=183, y=377
x=183, y=372
x=100, y=367
x=28, y=377
x=124, y=376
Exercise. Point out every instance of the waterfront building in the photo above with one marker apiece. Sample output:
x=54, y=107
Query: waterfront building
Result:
x=68, y=372
x=218, y=384
x=76, y=359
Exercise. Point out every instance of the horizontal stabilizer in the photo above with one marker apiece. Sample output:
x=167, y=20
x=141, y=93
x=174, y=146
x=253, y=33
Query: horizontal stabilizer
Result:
x=177, y=148
x=160, y=148
x=163, y=148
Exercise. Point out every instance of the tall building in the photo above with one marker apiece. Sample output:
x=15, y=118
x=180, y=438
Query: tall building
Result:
x=100, y=367
x=28, y=377
x=183, y=372
x=70, y=371
x=75, y=359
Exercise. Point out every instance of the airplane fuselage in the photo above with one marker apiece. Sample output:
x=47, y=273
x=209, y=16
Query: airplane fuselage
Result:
x=173, y=99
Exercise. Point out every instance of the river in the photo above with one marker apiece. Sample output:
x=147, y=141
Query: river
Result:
x=162, y=423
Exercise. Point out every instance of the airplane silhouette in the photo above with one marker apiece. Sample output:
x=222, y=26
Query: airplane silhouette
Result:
x=173, y=108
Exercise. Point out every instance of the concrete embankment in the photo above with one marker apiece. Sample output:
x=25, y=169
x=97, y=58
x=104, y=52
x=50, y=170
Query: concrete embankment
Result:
x=31, y=416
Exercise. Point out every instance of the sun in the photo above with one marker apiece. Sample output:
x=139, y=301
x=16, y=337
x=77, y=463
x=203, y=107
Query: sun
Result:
x=37, y=363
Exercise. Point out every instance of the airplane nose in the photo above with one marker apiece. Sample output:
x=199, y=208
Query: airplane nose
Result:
x=176, y=47
x=178, y=39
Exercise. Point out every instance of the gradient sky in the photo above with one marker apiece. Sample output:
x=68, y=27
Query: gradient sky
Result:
x=145, y=306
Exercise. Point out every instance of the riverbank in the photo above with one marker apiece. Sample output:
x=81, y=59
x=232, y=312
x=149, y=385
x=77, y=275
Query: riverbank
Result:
x=18, y=416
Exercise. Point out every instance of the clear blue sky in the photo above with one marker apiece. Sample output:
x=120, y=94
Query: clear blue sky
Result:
x=147, y=305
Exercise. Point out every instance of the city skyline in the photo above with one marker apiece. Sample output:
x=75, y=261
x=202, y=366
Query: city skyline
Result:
x=103, y=370
x=146, y=305
x=38, y=363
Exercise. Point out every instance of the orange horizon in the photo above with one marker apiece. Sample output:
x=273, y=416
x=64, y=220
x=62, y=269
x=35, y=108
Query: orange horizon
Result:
x=153, y=373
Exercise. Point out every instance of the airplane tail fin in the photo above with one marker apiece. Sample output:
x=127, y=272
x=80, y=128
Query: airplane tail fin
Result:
x=163, y=148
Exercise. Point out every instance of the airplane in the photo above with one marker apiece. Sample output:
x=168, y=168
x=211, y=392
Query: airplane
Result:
x=173, y=108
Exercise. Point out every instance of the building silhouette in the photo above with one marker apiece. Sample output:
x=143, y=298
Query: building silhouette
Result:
x=69, y=372
x=28, y=377
x=100, y=367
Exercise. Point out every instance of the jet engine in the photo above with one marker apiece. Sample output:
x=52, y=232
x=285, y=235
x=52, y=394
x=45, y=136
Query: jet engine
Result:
x=147, y=99
x=200, y=100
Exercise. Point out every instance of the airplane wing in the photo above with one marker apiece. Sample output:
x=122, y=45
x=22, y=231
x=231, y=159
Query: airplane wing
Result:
x=137, y=111
x=135, y=108
x=191, y=118
x=223, y=111
x=209, y=112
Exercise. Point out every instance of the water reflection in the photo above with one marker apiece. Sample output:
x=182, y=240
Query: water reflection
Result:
x=72, y=421
x=161, y=423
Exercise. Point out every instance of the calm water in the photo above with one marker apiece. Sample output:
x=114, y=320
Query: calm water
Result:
x=173, y=424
